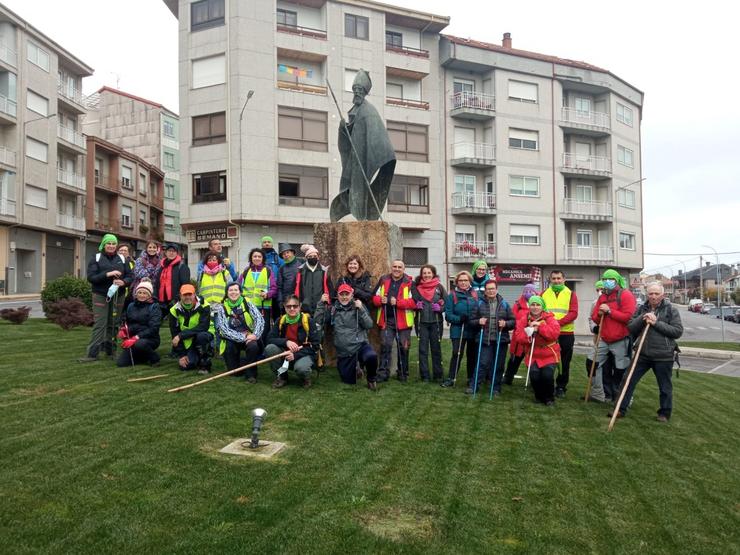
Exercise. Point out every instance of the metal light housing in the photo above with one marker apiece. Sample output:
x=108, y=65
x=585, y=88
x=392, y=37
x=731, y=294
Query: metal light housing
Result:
x=258, y=415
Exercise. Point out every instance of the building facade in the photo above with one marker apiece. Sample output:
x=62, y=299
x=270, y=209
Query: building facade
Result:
x=42, y=158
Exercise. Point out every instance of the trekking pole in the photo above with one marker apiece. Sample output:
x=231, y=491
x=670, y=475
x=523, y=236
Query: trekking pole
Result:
x=593, y=362
x=477, y=364
x=459, y=350
x=495, y=365
x=531, y=354
x=615, y=412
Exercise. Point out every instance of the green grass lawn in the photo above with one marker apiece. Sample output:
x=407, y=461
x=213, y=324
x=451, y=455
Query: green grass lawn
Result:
x=94, y=464
x=727, y=346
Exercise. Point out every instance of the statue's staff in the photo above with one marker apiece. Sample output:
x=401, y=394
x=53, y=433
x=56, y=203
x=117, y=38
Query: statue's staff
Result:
x=357, y=156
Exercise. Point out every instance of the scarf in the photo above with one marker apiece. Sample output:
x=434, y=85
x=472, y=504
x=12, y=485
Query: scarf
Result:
x=212, y=272
x=165, y=278
x=234, y=304
x=427, y=288
x=294, y=320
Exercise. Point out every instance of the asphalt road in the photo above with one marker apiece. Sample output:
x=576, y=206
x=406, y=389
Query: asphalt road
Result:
x=703, y=327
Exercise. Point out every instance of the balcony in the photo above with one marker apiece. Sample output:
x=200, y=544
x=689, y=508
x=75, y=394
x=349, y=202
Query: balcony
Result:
x=473, y=204
x=472, y=105
x=106, y=224
x=8, y=55
x=157, y=202
x=8, y=110
x=301, y=87
x=302, y=31
x=583, y=210
x=71, y=138
x=470, y=251
x=7, y=207
x=71, y=179
x=72, y=97
x=407, y=50
x=594, y=166
x=589, y=255
x=407, y=103
x=303, y=201
x=585, y=122
x=7, y=156
x=107, y=183
x=70, y=222
x=473, y=155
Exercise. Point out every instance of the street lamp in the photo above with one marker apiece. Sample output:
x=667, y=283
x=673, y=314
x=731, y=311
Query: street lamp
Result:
x=241, y=118
x=685, y=288
x=719, y=300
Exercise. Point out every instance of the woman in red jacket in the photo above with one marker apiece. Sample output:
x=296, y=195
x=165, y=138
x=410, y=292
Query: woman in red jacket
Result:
x=540, y=326
x=516, y=349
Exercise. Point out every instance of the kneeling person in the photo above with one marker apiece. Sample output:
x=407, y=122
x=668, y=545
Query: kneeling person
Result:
x=189, y=323
x=298, y=333
x=351, y=321
x=140, y=333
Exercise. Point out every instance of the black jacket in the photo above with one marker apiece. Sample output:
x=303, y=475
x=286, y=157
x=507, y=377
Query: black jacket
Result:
x=144, y=319
x=362, y=286
x=185, y=331
x=307, y=340
x=100, y=264
x=286, y=278
x=503, y=312
x=426, y=315
x=180, y=276
x=660, y=341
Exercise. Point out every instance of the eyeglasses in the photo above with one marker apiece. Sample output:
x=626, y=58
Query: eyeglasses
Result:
x=292, y=305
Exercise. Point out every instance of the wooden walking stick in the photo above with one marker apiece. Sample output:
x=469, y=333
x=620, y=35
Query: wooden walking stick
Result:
x=615, y=412
x=593, y=362
x=147, y=378
x=229, y=373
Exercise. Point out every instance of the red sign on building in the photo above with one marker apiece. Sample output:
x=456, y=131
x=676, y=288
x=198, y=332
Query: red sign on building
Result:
x=516, y=274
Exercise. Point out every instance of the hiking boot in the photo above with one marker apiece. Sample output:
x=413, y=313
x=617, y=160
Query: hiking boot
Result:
x=662, y=418
x=469, y=391
x=448, y=383
x=382, y=376
x=372, y=386
x=620, y=414
x=87, y=359
x=560, y=393
x=426, y=380
x=278, y=383
x=204, y=371
x=549, y=403
x=251, y=379
x=403, y=378
x=307, y=383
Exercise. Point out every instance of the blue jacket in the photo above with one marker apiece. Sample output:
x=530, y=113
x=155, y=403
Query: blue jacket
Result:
x=462, y=308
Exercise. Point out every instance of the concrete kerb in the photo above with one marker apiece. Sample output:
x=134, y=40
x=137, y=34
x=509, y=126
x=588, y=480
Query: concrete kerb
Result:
x=718, y=354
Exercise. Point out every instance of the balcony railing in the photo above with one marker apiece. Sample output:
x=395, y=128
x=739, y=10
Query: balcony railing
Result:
x=304, y=201
x=482, y=151
x=8, y=55
x=575, y=161
x=70, y=178
x=107, y=182
x=7, y=207
x=575, y=252
x=477, y=202
x=157, y=202
x=474, y=249
x=301, y=87
x=407, y=50
x=71, y=136
x=581, y=117
x=303, y=31
x=7, y=156
x=70, y=93
x=106, y=224
x=473, y=101
x=587, y=207
x=70, y=222
x=8, y=106
x=408, y=103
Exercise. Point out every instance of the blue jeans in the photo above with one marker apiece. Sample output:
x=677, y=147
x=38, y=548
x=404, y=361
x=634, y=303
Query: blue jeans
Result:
x=662, y=370
x=487, y=359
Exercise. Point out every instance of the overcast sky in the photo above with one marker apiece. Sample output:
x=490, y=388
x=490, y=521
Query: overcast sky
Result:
x=678, y=53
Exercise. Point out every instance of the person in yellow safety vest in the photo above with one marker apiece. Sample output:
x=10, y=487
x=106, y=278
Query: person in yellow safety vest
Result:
x=563, y=304
x=259, y=285
x=189, y=323
x=211, y=285
x=396, y=309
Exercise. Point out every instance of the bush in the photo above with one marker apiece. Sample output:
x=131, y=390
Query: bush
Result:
x=69, y=313
x=66, y=287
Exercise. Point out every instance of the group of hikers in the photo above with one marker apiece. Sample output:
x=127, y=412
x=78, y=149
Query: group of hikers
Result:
x=284, y=305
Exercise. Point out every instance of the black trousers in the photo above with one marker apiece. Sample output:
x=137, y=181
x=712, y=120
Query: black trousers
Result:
x=566, y=354
x=144, y=351
x=430, y=335
x=470, y=346
x=542, y=382
x=232, y=355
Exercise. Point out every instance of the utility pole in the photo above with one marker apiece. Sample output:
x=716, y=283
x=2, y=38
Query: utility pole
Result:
x=701, y=281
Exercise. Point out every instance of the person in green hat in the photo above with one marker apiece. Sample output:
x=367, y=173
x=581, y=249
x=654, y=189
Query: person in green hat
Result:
x=274, y=262
x=614, y=308
x=594, y=327
x=563, y=303
x=480, y=277
x=109, y=275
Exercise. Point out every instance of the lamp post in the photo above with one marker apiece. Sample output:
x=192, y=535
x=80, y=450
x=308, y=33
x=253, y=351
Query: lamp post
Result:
x=228, y=201
x=685, y=288
x=719, y=299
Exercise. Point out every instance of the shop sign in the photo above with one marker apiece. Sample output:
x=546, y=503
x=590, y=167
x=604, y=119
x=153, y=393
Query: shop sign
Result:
x=516, y=274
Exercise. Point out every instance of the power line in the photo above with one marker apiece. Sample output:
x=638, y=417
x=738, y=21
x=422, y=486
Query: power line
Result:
x=688, y=253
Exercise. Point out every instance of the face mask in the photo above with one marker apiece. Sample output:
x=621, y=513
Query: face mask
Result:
x=557, y=288
x=312, y=261
x=112, y=290
x=610, y=284
x=212, y=264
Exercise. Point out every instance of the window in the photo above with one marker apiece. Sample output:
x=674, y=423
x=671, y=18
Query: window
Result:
x=415, y=256
x=409, y=194
x=393, y=90
x=169, y=190
x=522, y=186
x=463, y=86
x=38, y=56
x=524, y=234
x=126, y=175
x=169, y=159
x=302, y=129
x=36, y=196
x=205, y=14
x=287, y=18
x=169, y=128
x=624, y=114
x=37, y=150
x=583, y=106
x=349, y=78
x=207, y=130
x=584, y=193
x=126, y=213
x=209, y=71
x=303, y=186
x=520, y=138
x=464, y=232
x=522, y=92
x=465, y=184
x=37, y=103
x=142, y=216
x=169, y=223
x=627, y=241
x=626, y=198
x=583, y=238
x=356, y=26
x=409, y=140
x=625, y=156
x=209, y=187
x=393, y=39
x=142, y=183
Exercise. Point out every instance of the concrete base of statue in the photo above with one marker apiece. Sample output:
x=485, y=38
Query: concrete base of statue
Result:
x=376, y=243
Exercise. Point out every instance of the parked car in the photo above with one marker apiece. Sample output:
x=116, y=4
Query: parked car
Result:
x=695, y=305
x=706, y=308
x=737, y=316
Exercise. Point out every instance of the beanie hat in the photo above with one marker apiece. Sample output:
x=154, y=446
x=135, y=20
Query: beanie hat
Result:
x=599, y=285
x=529, y=290
x=267, y=238
x=145, y=285
x=613, y=274
x=539, y=300
x=478, y=264
x=308, y=250
x=107, y=238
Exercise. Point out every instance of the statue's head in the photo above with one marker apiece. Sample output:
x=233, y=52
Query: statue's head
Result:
x=361, y=87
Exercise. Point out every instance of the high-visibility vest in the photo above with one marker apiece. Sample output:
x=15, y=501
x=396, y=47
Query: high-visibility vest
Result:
x=251, y=289
x=404, y=292
x=247, y=319
x=213, y=287
x=188, y=321
x=559, y=305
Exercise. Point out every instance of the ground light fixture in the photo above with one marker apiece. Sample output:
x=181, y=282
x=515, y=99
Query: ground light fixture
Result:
x=258, y=415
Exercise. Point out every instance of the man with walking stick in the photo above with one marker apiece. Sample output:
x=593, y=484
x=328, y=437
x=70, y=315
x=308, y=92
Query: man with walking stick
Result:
x=496, y=320
x=658, y=349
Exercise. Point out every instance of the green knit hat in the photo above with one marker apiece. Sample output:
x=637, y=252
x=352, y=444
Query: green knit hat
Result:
x=539, y=300
x=267, y=238
x=478, y=264
x=599, y=285
x=107, y=238
x=613, y=274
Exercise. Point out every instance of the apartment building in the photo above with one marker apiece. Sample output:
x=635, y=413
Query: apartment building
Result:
x=124, y=196
x=148, y=130
x=42, y=158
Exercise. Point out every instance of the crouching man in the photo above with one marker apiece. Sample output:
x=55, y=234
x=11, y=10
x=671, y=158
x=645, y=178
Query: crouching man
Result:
x=191, y=341
x=297, y=332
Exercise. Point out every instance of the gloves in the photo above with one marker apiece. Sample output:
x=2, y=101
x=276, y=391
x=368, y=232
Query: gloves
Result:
x=128, y=343
x=419, y=305
x=122, y=333
x=436, y=307
x=529, y=331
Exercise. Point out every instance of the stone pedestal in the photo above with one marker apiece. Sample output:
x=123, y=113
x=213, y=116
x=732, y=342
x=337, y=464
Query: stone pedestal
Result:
x=376, y=243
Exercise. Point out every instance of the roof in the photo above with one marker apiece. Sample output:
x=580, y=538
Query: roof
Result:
x=106, y=88
x=707, y=272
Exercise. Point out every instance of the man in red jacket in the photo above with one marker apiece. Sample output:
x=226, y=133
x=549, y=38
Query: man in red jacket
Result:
x=616, y=304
